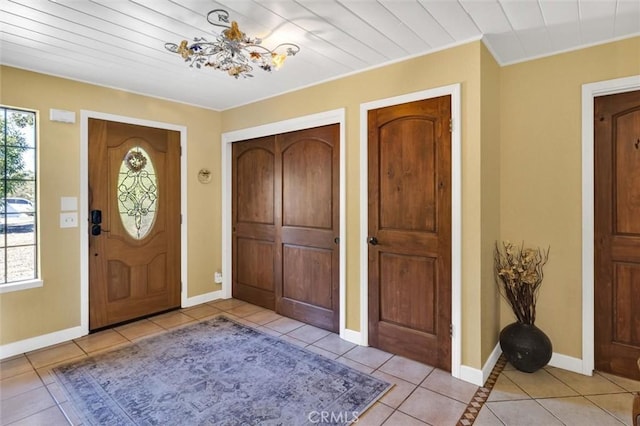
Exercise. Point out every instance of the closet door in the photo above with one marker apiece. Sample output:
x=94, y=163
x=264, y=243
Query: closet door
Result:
x=286, y=224
x=309, y=289
x=255, y=221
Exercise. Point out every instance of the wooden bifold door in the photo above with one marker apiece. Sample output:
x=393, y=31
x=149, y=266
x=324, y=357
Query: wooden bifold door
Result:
x=285, y=218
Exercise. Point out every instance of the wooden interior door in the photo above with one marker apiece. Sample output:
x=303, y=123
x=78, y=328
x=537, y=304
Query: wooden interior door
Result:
x=309, y=289
x=134, y=240
x=286, y=223
x=255, y=221
x=409, y=151
x=617, y=233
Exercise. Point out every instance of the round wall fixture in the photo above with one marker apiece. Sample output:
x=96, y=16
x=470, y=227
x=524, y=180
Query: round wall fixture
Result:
x=204, y=176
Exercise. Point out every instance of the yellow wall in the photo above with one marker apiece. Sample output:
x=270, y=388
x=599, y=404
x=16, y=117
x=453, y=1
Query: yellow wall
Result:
x=490, y=199
x=56, y=305
x=456, y=65
x=540, y=172
x=521, y=177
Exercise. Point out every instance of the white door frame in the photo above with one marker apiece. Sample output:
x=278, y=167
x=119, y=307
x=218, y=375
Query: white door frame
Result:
x=589, y=92
x=300, y=123
x=84, y=203
x=456, y=213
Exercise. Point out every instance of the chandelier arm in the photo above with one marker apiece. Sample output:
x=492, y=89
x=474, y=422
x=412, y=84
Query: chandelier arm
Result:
x=223, y=16
x=292, y=49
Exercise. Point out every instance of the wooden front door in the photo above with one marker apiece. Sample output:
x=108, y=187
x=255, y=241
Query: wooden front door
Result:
x=134, y=230
x=286, y=224
x=617, y=233
x=410, y=230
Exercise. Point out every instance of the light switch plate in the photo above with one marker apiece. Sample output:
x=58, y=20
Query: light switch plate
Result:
x=68, y=204
x=69, y=220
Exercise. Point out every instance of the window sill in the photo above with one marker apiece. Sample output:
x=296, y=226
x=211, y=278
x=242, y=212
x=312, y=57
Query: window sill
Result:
x=20, y=285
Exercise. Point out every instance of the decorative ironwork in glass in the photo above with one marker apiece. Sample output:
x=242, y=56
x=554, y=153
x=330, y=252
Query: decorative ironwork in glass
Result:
x=137, y=193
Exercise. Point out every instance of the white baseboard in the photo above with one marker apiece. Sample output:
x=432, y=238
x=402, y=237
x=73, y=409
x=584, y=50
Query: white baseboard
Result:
x=479, y=377
x=203, y=298
x=351, y=336
x=568, y=363
x=38, y=342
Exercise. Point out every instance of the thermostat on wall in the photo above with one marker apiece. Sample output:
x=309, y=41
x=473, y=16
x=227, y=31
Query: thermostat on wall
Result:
x=62, y=115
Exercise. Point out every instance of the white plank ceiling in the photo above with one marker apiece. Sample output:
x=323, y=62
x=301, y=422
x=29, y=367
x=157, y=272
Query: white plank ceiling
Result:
x=120, y=44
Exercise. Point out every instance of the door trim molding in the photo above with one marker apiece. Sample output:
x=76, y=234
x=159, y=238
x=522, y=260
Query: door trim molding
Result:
x=336, y=116
x=83, y=205
x=456, y=213
x=589, y=92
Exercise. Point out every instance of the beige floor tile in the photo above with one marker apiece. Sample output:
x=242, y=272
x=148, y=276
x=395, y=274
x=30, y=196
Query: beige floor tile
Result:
x=50, y=417
x=321, y=351
x=406, y=369
x=293, y=341
x=540, y=384
x=245, y=310
x=444, y=383
x=55, y=354
x=627, y=384
x=618, y=405
x=577, y=410
x=585, y=385
x=369, y=356
x=308, y=333
x=226, y=304
x=355, y=365
x=139, y=329
x=487, y=418
x=375, y=415
x=505, y=390
x=13, y=366
x=525, y=412
x=284, y=325
x=399, y=418
x=333, y=343
x=172, y=320
x=25, y=405
x=21, y=383
x=201, y=311
x=269, y=331
x=398, y=393
x=432, y=408
x=100, y=341
x=263, y=317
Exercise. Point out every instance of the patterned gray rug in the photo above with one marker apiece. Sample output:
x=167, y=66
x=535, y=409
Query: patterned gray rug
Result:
x=216, y=372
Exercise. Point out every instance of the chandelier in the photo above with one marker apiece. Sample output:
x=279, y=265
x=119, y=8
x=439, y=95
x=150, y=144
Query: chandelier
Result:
x=232, y=51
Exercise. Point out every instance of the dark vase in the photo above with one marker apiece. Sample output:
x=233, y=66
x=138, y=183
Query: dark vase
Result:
x=525, y=346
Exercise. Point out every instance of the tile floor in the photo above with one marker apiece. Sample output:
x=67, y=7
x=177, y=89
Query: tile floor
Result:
x=421, y=395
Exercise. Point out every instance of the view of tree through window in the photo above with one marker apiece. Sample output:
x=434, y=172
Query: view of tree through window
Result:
x=18, y=226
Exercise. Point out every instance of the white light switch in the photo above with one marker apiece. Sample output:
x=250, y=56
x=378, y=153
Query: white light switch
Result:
x=68, y=204
x=69, y=220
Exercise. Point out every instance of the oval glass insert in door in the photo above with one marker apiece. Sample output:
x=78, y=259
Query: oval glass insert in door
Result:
x=137, y=193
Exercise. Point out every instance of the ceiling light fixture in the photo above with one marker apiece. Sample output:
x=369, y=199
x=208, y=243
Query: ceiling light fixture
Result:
x=232, y=51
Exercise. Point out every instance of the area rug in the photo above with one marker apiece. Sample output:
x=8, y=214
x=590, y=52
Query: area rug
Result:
x=216, y=372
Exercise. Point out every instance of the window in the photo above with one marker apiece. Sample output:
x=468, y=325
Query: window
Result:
x=18, y=195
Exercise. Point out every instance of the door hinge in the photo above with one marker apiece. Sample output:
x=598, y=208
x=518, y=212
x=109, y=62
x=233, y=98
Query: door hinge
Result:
x=180, y=218
x=450, y=330
x=181, y=287
x=450, y=125
x=180, y=150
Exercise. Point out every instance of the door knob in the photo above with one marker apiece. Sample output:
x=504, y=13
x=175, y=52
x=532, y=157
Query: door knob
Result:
x=373, y=241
